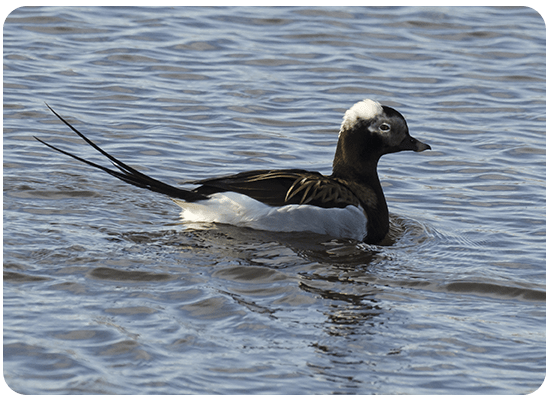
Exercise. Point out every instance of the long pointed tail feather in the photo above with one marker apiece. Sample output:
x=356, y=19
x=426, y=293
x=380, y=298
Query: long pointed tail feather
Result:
x=126, y=173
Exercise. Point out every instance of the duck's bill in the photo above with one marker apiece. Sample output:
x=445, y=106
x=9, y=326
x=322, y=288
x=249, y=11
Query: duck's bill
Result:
x=410, y=143
x=420, y=146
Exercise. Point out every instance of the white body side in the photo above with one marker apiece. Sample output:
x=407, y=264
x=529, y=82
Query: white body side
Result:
x=240, y=210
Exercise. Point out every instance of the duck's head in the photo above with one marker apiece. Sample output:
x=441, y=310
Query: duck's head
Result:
x=370, y=130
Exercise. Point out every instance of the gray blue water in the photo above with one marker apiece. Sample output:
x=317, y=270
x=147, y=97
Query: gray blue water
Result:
x=106, y=291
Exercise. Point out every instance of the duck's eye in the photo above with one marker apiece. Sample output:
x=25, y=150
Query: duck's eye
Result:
x=385, y=127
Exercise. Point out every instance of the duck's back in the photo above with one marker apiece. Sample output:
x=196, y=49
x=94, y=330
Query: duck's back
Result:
x=283, y=187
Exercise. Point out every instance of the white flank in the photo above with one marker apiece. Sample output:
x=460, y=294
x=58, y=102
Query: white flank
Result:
x=366, y=109
x=240, y=210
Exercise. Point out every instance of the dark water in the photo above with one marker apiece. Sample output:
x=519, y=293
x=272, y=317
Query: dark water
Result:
x=107, y=291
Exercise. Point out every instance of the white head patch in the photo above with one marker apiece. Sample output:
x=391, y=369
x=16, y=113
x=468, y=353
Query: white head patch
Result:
x=366, y=109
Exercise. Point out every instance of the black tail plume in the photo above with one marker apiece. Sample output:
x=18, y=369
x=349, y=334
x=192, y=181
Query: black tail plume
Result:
x=127, y=173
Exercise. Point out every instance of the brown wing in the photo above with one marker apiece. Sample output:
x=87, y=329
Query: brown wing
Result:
x=280, y=187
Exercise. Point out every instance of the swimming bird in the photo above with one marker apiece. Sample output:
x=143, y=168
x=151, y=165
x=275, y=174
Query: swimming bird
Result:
x=349, y=203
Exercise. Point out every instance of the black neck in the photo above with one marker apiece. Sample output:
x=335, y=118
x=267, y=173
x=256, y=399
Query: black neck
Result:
x=360, y=175
x=378, y=220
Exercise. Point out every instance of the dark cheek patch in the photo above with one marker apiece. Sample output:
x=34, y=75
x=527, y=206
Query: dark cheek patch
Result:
x=389, y=138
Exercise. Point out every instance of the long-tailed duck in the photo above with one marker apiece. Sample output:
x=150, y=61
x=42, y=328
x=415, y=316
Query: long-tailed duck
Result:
x=349, y=203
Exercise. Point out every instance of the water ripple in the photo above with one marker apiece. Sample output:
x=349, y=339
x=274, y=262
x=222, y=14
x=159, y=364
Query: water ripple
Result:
x=107, y=291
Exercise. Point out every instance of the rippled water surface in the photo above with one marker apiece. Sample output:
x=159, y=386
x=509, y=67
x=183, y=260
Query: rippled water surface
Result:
x=107, y=291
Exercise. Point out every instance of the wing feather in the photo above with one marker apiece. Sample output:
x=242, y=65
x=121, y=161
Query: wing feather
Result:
x=280, y=187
